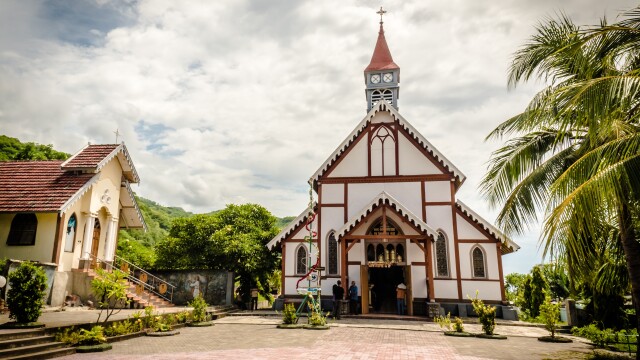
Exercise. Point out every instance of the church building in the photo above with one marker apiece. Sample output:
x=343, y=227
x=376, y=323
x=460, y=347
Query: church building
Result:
x=387, y=214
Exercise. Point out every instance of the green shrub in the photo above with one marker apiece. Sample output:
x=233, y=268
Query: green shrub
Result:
x=25, y=298
x=317, y=319
x=110, y=289
x=458, y=325
x=182, y=317
x=444, y=321
x=94, y=336
x=550, y=314
x=486, y=314
x=199, y=306
x=69, y=336
x=119, y=328
x=608, y=337
x=149, y=320
x=289, y=314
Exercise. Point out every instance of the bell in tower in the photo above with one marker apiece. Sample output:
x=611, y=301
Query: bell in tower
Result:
x=382, y=76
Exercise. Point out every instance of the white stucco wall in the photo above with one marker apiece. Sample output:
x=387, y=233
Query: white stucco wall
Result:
x=332, y=194
x=407, y=193
x=412, y=161
x=487, y=290
x=356, y=162
x=419, y=281
x=468, y=231
x=437, y=191
x=445, y=289
x=439, y=217
x=332, y=219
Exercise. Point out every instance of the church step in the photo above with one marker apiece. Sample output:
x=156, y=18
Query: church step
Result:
x=25, y=341
x=48, y=354
x=21, y=334
x=30, y=349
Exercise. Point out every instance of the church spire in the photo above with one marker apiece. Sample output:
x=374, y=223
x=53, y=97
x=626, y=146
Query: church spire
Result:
x=382, y=76
x=381, y=58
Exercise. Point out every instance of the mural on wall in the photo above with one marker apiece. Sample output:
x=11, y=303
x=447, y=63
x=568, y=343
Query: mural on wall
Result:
x=211, y=284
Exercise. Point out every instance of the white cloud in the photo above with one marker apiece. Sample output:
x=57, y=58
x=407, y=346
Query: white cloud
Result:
x=232, y=101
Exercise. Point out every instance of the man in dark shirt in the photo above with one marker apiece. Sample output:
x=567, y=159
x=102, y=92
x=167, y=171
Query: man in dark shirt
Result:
x=338, y=295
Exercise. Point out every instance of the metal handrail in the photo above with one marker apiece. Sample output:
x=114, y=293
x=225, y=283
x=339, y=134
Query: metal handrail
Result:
x=131, y=277
x=152, y=280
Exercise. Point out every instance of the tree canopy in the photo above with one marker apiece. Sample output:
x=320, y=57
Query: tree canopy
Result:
x=232, y=239
x=573, y=154
x=13, y=149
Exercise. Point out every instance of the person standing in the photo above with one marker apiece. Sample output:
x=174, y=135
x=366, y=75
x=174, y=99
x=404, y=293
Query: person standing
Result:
x=353, y=298
x=338, y=295
x=254, y=298
x=401, y=293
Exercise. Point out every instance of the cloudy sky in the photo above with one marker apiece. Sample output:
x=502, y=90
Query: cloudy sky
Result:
x=240, y=101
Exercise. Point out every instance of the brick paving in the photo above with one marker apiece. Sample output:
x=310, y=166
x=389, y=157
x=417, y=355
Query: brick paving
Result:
x=258, y=338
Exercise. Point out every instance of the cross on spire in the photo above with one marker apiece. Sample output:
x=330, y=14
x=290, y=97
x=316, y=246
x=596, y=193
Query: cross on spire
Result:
x=381, y=12
x=117, y=135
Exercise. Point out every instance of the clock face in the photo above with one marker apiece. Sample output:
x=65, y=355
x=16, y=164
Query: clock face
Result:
x=388, y=77
x=375, y=78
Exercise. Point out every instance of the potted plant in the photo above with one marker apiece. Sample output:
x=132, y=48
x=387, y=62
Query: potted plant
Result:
x=289, y=318
x=487, y=316
x=317, y=321
x=550, y=313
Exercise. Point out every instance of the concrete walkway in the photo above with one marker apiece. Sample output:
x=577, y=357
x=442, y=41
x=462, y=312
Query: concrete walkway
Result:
x=255, y=337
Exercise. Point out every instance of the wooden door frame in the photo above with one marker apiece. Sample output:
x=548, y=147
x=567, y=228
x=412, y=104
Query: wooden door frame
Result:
x=95, y=244
x=364, y=286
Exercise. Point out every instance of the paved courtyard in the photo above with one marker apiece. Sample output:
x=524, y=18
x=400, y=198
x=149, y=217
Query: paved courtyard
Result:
x=258, y=338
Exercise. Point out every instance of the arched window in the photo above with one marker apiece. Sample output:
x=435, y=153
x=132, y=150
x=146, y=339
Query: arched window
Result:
x=477, y=258
x=70, y=234
x=23, y=230
x=333, y=254
x=301, y=260
x=442, y=258
x=383, y=152
x=371, y=253
x=376, y=95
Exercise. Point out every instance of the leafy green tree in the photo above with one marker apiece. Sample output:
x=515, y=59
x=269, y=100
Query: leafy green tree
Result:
x=232, y=239
x=557, y=280
x=13, y=149
x=514, y=286
x=525, y=303
x=27, y=288
x=575, y=153
x=538, y=289
x=550, y=314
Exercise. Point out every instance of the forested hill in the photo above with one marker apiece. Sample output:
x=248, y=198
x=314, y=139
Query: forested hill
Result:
x=136, y=244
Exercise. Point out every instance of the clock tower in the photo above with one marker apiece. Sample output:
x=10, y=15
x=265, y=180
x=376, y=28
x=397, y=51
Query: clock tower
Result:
x=382, y=76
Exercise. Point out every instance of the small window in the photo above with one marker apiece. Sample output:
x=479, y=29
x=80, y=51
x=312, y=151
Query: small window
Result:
x=301, y=260
x=70, y=234
x=333, y=254
x=23, y=230
x=477, y=257
x=442, y=264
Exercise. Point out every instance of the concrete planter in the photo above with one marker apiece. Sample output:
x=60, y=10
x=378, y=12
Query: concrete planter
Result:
x=93, y=348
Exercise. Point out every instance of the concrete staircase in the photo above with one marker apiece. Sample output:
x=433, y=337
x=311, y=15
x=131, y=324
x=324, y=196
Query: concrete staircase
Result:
x=138, y=301
x=31, y=344
x=145, y=299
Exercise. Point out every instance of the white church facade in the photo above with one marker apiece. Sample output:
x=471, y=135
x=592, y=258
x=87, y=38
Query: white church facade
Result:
x=387, y=213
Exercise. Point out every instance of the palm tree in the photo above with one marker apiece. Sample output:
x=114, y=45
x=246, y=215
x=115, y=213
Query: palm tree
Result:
x=573, y=155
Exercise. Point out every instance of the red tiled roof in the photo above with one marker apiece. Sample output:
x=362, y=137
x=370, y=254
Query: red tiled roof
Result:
x=90, y=156
x=37, y=185
x=381, y=58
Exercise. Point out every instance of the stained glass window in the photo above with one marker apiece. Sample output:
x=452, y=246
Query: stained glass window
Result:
x=478, y=262
x=70, y=234
x=442, y=264
x=333, y=254
x=301, y=260
x=371, y=253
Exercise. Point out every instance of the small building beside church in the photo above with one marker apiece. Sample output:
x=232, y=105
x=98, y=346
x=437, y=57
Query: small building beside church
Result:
x=387, y=213
x=67, y=214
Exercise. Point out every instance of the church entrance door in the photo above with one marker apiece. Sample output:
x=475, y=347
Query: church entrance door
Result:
x=382, y=284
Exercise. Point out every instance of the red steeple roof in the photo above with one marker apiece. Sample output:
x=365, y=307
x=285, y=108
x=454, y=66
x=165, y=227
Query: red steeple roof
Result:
x=381, y=58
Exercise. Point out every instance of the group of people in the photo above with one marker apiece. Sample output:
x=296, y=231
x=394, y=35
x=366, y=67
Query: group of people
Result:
x=338, y=296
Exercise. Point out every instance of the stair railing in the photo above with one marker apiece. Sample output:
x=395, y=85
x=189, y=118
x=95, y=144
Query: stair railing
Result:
x=159, y=287
x=147, y=287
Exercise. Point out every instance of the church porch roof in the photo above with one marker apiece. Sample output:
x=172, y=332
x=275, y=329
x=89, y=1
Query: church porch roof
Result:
x=508, y=245
x=384, y=199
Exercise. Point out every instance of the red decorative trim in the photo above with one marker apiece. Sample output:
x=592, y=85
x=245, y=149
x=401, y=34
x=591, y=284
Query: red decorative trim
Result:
x=384, y=179
x=455, y=240
x=57, y=240
x=331, y=205
x=437, y=203
x=395, y=133
x=282, y=266
x=419, y=263
x=500, y=274
x=369, y=131
x=354, y=263
x=472, y=241
x=346, y=202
